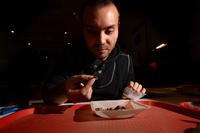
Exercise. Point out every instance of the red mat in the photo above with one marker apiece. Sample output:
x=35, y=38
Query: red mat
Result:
x=161, y=117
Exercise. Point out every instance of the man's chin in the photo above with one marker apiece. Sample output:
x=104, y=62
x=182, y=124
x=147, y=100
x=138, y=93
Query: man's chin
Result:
x=102, y=58
x=101, y=55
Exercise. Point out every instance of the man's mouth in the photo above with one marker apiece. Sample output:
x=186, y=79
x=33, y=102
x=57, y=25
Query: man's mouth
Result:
x=101, y=50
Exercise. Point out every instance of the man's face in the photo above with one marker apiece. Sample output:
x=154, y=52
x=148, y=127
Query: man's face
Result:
x=100, y=29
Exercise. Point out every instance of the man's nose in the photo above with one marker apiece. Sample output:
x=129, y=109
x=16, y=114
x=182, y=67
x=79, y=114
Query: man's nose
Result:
x=101, y=39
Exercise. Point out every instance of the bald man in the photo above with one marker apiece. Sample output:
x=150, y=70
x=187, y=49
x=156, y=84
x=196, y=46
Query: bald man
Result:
x=95, y=68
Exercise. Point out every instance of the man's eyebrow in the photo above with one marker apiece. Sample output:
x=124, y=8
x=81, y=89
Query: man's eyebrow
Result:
x=111, y=26
x=107, y=27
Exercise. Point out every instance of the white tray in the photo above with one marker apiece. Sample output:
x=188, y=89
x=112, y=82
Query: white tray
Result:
x=106, y=109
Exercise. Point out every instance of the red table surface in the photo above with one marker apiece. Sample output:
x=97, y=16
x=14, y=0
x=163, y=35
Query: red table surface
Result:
x=191, y=106
x=161, y=117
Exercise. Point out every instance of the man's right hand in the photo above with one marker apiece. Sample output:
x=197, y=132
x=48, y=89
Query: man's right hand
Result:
x=79, y=88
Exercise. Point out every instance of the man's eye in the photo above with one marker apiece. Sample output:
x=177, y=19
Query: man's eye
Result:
x=109, y=32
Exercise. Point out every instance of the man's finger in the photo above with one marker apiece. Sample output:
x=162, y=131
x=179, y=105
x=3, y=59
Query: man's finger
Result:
x=139, y=88
x=135, y=85
x=89, y=96
x=90, y=83
x=88, y=87
x=130, y=84
x=143, y=90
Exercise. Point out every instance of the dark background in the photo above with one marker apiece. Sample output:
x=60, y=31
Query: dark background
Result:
x=43, y=28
